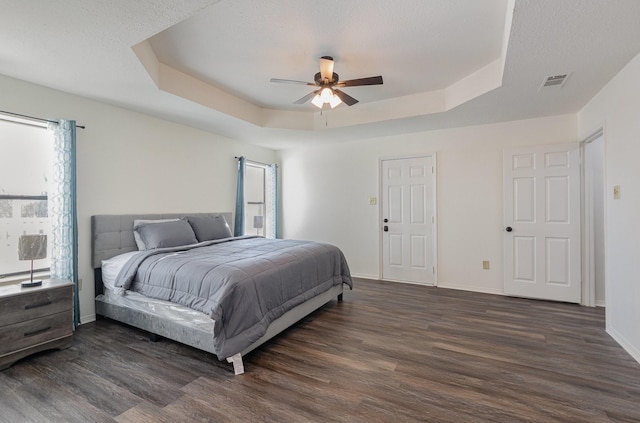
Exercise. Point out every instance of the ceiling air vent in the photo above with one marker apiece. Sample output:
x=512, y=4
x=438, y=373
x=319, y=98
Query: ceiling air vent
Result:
x=554, y=81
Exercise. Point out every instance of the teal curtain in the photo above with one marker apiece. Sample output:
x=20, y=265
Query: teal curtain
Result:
x=63, y=209
x=238, y=227
x=273, y=174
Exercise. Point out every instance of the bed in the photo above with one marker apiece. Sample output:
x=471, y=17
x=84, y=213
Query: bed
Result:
x=221, y=294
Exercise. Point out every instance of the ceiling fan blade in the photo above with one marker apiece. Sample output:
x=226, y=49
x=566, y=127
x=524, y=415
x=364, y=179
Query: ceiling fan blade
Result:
x=306, y=97
x=372, y=80
x=326, y=68
x=291, y=81
x=346, y=98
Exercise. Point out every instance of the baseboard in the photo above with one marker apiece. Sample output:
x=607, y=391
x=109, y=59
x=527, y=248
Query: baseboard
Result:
x=364, y=276
x=628, y=346
x=87, y=319
x=376, y=278
x=470, y=288
x=439, y=285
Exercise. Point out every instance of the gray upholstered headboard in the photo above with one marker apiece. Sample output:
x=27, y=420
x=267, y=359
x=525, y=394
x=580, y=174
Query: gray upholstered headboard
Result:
x=112, y=234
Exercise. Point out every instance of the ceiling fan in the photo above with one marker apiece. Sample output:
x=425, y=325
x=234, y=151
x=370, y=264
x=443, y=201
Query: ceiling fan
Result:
x=328, y=82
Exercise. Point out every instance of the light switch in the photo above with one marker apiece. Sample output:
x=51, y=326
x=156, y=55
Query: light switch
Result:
x=616, y=192
x=373, y=201
x=485, y=264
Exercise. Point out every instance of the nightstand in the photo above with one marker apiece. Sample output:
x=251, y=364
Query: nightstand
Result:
x=35, y=319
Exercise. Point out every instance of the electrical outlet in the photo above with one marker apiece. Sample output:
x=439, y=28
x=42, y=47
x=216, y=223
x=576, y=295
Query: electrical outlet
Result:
x=80, y=284
x=485, y=264
x=616, y=192
x=373, y=201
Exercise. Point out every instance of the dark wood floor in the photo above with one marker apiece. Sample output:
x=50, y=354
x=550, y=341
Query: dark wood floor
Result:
x=388, y=353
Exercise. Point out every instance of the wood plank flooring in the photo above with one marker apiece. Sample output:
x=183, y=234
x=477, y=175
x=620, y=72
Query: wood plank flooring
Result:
x=388, y=353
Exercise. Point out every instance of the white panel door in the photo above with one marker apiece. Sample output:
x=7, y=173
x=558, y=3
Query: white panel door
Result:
x=408, y=212
x=542, y=222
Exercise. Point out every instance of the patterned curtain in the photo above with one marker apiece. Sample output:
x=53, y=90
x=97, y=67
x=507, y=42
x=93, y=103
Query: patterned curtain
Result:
x=63, y=210
x=238, y=227
x=273, y=200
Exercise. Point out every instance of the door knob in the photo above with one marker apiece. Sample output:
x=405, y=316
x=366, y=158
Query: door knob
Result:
x=508, y=229
x=385, y=220
x=385, y=228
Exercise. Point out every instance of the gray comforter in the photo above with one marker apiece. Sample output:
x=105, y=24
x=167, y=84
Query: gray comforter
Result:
x=242, y=283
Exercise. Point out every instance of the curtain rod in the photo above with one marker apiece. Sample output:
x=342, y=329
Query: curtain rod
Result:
x=36, y=118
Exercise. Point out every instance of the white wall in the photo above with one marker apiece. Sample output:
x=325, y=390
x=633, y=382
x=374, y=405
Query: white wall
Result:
x=617, y=108
x=326, y=192
x=131, y=163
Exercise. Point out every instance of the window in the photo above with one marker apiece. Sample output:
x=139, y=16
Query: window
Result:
x=259, y=201
x=27, y=153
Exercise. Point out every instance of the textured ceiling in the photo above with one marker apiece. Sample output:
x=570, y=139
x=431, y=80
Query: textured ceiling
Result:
x=208, y=63
x=238, y=46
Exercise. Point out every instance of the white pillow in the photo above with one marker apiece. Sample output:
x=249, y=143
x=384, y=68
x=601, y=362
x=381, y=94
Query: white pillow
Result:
x=136, y=235
x=111, y=267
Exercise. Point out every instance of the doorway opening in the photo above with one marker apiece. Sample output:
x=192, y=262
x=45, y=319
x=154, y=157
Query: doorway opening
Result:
x=593, y=199
x=260, y=200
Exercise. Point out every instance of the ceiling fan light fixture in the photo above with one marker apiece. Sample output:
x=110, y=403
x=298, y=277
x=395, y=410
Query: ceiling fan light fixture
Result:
x=317, y=101
x=335, y=101
x=326, y=95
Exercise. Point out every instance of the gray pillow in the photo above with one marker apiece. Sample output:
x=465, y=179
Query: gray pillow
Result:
x=138, y=222
x=166, y=234
x=207, y=228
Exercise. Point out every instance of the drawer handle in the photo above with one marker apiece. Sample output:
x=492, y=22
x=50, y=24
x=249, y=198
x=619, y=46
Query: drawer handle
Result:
x=43, y=304
x=37, y=332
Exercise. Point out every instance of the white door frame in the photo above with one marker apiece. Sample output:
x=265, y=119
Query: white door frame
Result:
x=433, y=156
x=588, y=265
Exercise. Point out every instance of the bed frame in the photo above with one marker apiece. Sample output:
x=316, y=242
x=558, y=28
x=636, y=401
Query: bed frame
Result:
x=113, y=235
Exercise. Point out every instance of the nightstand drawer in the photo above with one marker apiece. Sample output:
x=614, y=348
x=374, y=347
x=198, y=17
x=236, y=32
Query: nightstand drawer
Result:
x=32, y=332
x=28, y=306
